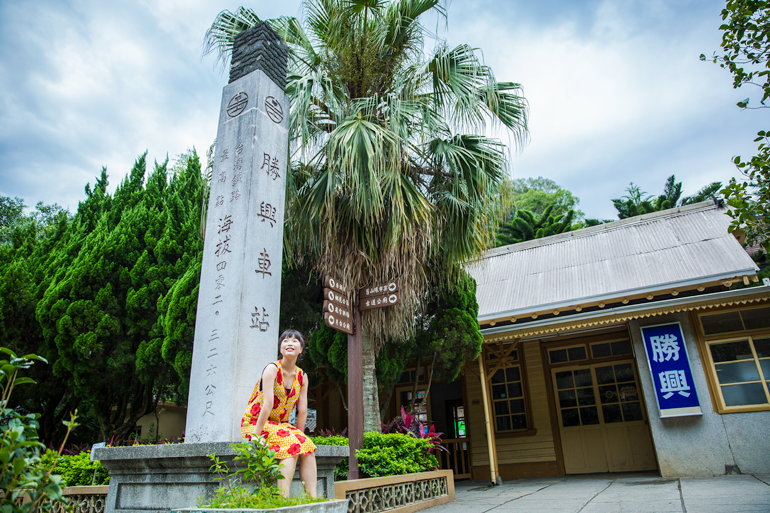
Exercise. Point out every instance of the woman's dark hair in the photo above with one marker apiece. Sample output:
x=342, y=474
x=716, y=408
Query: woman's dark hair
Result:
x=288, y=334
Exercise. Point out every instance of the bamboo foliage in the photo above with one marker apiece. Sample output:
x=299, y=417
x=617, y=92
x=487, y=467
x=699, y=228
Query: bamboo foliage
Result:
x=392, y=177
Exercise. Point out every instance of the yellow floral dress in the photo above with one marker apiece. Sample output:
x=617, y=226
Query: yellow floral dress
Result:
x=286, y=440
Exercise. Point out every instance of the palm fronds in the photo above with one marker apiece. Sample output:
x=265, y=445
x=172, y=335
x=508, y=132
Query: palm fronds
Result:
x=390, y=177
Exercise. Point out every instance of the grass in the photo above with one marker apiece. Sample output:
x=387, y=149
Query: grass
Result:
x=265, y=498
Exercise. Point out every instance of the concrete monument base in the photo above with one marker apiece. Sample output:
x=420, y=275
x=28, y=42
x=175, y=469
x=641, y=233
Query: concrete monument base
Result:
x=338, y=506
x=159, y=478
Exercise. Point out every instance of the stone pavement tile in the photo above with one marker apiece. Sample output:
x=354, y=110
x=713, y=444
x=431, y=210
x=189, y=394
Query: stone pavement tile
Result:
x=635, y=507
x=727, y=508
x=641, y=491
x=737, y=490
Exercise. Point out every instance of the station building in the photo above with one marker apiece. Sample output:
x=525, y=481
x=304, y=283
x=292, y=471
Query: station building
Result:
x=569, y=380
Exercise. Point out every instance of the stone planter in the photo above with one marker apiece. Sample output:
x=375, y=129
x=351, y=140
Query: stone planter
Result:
x=158, y=478
x=334, y=506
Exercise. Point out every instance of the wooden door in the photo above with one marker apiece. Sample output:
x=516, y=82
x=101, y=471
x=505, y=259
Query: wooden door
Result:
x=601, y=418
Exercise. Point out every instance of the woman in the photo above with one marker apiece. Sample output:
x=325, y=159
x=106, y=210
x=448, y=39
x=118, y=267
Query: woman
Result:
x=283, y=385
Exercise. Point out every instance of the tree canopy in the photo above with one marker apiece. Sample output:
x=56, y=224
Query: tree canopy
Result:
x=537, y=194
x=746, y=46
x=527, y=225
x=637, y=202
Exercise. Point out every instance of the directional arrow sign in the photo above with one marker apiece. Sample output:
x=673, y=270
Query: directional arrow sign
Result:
x=338, y=323
x=379, y=290
x=380, y=301
x=334, y=308
x=336, y=297
x=335, y=285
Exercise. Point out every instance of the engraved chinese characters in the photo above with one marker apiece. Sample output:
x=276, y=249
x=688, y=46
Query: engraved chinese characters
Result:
x=239, y=294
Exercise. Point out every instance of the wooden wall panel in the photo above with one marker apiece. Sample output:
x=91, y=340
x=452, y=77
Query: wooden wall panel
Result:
x=538, y=447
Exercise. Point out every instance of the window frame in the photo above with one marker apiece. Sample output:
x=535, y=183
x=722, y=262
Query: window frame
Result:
x=489, y=364
x=704, y=343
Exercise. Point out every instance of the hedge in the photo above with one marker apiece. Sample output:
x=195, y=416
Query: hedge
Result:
x=383, y=455
x=78, y=469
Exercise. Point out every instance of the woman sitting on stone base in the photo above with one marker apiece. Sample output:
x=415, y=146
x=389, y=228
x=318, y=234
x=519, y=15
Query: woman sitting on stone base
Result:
x=283, y=385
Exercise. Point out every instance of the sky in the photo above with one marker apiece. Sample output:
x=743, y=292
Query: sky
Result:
x=616, y=90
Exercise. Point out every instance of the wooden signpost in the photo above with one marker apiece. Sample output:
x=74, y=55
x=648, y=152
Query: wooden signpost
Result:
x=344, y=314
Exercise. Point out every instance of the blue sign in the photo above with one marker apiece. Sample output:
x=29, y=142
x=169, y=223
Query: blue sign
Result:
x=670, y=367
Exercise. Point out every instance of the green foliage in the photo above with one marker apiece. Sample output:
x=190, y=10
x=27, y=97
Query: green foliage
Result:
x=262, y=498
x=750, y=199
x=78, y=469
x=24, y=472
x=708, y=192
x=395, y=454
x=386, y=454
x=328, y=349
x=108, y=296
x=746, y=43
x=537, y=194
x=252, y=485
x=528, y=226
x=449, y=333
x=637, y=202
x=330, y=440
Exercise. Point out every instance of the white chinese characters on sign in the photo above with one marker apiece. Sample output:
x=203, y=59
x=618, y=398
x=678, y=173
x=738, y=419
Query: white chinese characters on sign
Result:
x=673, y=381
x=665, y=347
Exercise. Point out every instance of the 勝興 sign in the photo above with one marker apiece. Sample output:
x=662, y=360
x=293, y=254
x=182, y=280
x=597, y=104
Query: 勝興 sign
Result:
x=670, y=367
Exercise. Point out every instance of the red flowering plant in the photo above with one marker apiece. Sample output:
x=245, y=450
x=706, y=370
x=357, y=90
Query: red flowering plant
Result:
x=408, y=424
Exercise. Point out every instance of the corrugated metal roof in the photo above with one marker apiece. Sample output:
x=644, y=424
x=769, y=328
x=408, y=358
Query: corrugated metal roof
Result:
x=676, y=247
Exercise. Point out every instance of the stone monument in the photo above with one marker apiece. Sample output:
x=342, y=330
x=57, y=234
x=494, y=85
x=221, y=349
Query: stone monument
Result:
x=236, y=330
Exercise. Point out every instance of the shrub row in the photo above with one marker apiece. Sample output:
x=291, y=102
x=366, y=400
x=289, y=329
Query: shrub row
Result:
x=386, y=454
x=381, y=455
x=77, y=469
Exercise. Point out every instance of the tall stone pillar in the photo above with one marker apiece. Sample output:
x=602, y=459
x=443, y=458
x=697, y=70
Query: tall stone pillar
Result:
x=236, y=329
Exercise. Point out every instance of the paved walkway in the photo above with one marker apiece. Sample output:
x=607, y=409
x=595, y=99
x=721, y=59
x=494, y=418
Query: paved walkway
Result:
x=615, y=493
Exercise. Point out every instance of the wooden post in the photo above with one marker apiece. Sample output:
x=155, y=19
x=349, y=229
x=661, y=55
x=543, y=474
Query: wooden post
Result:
x=487, y=424
x=355, y=390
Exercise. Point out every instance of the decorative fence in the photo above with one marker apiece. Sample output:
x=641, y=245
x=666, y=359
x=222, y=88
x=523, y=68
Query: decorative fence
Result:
x=402, y=494
x=84, y=499
x=457, y=457
x=396, y=494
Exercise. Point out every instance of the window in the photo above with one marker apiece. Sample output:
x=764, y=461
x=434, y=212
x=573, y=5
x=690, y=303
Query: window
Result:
x=509, y=405
x=607, y=349
x=726, y=322
x=739, y=364
x=742, y=369
x=568, y=354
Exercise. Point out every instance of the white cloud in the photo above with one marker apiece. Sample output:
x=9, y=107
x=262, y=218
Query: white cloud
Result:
x=617, y=92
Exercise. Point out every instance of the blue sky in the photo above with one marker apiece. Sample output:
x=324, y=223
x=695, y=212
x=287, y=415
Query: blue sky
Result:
x=616, y=90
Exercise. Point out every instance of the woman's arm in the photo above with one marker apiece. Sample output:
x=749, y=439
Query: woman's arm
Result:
x=302, y=405
x=268, y=395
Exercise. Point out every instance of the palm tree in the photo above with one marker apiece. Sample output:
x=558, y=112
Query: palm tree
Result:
x=390, y=177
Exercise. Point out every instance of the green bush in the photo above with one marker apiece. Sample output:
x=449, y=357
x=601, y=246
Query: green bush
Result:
x=256, y=489
x=27, y=483
x=386, y=454
x=78, y=469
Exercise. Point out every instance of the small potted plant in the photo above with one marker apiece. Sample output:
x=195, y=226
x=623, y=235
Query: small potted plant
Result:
x=251, y=487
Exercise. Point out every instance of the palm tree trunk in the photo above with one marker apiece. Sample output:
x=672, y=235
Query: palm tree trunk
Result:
x=371, y=397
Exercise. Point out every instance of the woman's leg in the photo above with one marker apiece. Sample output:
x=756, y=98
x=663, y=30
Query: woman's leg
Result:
x=287, y=469
x=308, y=473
